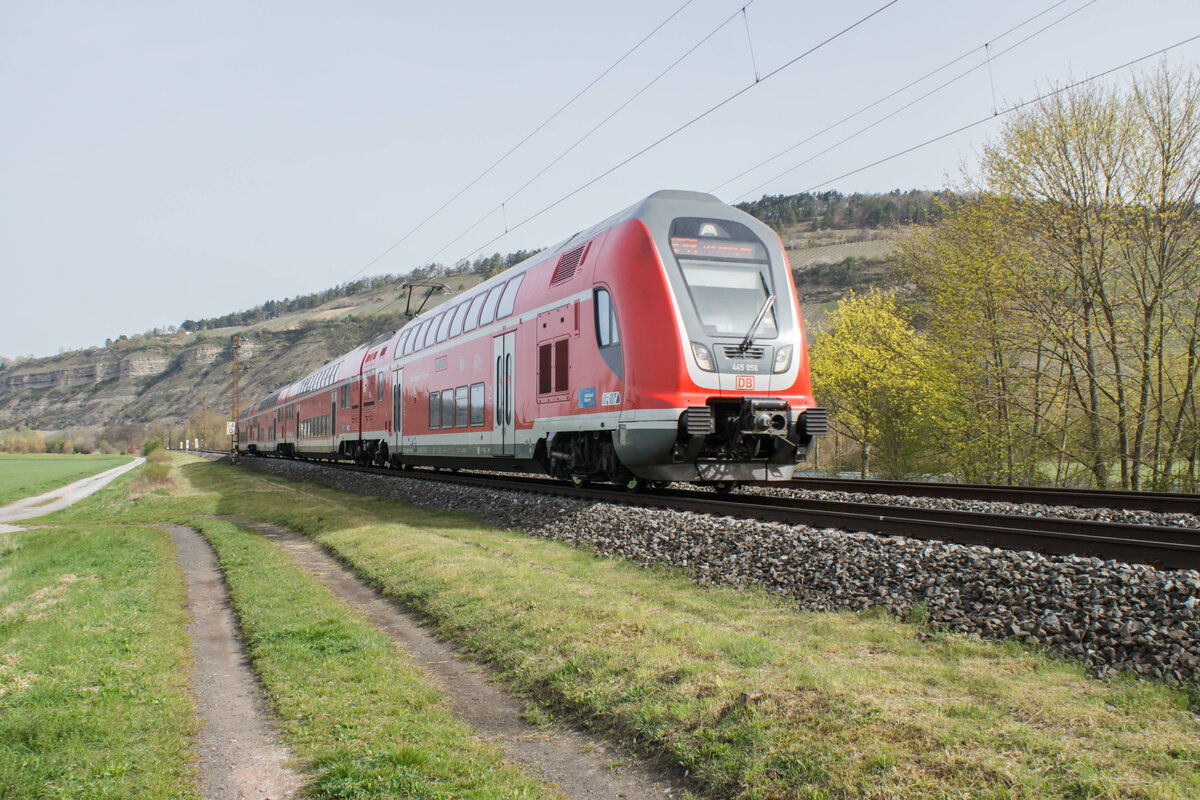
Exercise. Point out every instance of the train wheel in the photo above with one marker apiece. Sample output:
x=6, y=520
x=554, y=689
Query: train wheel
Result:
x=633, y=484
x=725, y=487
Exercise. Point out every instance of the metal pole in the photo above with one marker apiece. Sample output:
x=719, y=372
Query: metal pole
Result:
x=237, y=343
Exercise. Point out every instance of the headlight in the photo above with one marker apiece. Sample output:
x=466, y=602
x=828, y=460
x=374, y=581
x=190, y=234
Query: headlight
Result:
x=783, y=358
x=703, y=357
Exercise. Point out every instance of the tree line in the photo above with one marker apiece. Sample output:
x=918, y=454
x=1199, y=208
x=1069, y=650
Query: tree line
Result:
x=1048, y=330
x=482, y=265
x=832, y=209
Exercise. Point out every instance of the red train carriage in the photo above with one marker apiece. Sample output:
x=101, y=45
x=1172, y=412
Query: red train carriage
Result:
x=663, y=344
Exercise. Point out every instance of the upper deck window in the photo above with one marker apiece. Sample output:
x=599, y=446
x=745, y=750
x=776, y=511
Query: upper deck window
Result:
x=444, y=329
x=473, y=313
x=727, y=272
x=431, y=334
x=509, y=299
x=489, y=305
x=456, y=327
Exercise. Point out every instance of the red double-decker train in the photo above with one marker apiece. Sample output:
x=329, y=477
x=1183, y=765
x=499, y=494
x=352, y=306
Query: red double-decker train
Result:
x=663, y=344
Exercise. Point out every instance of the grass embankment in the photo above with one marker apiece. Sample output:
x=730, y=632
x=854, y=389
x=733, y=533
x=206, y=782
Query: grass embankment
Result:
x=356, y=710
x=753, y=698
x=93, y=657
x=34, y=474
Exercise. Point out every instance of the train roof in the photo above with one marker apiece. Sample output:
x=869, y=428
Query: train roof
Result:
x=654, y=210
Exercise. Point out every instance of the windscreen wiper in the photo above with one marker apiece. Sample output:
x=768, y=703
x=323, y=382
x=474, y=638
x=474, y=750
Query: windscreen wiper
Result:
x=762, y=314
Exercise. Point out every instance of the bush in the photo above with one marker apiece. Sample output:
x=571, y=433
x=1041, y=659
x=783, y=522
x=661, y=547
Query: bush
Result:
x=150, y=446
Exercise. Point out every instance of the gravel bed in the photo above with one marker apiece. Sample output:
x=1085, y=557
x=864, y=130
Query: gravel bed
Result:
x=1111, y=616
x=1131, y=516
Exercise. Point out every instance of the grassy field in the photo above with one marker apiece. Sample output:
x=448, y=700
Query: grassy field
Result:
x=29, y=475
x=93, y=653
x=752, y=698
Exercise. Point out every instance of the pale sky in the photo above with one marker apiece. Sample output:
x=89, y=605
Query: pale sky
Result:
x=168, y=160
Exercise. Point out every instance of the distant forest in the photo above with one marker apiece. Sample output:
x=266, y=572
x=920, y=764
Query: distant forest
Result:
x=484, y=265
x=825, y=210
x=822, y=210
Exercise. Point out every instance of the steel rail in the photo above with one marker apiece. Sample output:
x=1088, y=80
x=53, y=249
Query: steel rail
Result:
x=1160, y=546
x=1170, y=502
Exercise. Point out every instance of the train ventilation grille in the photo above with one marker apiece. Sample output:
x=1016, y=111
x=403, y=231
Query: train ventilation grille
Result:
x=567, y=264
x=698, y=421
x=735, y=351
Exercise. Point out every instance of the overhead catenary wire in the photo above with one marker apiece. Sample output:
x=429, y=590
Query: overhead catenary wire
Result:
x=1003, y=112
x=909, y=104
x=589, y=133
x=686, y=125
x=518, y=145
x=896, y=92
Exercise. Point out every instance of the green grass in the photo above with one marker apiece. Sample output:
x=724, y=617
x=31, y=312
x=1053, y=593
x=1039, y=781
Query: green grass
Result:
x=29, y=475
x=753, y=698
x=362, y=716
x=93, y=658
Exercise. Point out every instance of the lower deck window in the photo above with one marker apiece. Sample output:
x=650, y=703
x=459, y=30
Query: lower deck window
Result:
x=477, y=402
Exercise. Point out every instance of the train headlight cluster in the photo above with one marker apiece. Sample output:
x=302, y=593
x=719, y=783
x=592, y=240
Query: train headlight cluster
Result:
x=704, y=358
x=783, y=358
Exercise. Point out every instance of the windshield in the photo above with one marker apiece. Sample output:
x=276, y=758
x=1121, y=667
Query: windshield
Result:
x=726, y=270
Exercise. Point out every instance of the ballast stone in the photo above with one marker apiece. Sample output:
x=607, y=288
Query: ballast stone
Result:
x=1109, y=615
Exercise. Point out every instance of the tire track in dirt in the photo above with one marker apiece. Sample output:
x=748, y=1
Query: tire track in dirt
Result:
x=240, y=753
x=579, y=765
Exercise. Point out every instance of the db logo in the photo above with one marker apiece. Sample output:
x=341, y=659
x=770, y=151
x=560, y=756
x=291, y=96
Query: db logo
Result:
x=743, y=382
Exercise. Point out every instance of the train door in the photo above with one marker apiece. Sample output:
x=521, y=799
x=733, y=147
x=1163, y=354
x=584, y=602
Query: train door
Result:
x=397, y=408
x=333, y=425
x=504, y=438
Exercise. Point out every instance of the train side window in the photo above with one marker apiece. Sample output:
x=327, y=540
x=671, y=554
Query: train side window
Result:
x=447, y=408
x=419, y=337
x=431, y=334
x=489, y=306
x=472, y=320
x=606, y=320
x=460, y=407
x=346, y=396
x=378, y=385
x=477, y=404
x=444, y=328
x=608, y=337
x=509, y=300
x=435, y=410
x=460, y=315
x=399, y=351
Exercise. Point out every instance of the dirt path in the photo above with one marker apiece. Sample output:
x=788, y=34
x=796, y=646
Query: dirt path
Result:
x=581, y=766
x=61, y=497
x=241, y=757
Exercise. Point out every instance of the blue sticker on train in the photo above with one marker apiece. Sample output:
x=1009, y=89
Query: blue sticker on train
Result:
x=587, y=397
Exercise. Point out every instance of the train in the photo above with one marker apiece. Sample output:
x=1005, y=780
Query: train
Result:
x=664, y=344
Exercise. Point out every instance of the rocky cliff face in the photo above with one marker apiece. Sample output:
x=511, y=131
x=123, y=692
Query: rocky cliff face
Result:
x=164, y=379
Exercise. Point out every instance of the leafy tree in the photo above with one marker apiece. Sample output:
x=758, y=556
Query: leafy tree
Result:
x=871, y=369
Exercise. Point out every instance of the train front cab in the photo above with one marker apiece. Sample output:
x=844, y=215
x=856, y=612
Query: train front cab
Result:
x=720, y=393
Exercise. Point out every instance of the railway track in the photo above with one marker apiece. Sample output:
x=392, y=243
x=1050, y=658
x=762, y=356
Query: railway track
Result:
x=1161, y=546
x=1167, y=502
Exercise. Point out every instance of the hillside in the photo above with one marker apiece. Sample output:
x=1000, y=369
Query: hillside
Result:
x=181, y=379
